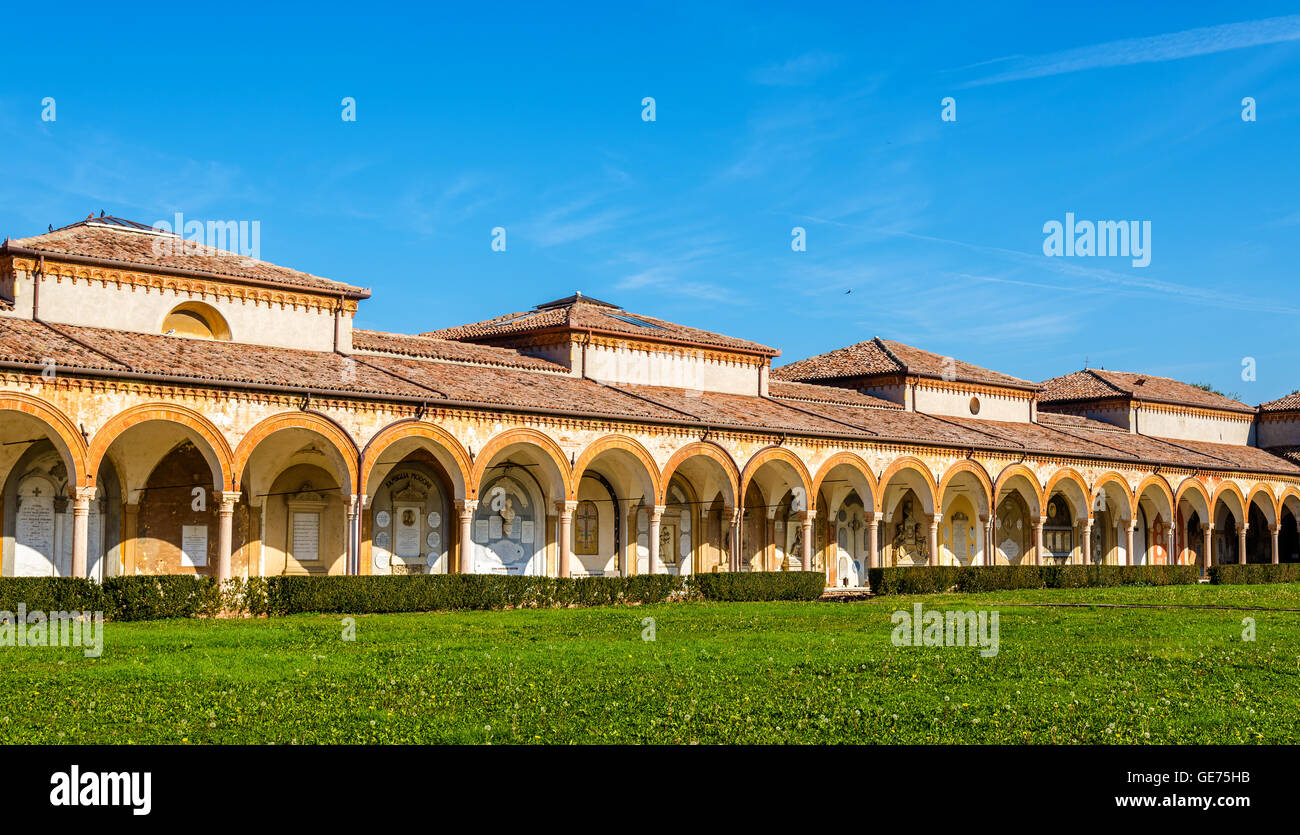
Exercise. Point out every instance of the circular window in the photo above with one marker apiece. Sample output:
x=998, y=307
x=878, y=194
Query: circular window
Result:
x=974, y=405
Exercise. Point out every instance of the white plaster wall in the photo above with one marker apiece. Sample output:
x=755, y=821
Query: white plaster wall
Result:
x=653, y=368
x=957, y=404
x=1194, y=427
x=1279, y=432
x=135, y=309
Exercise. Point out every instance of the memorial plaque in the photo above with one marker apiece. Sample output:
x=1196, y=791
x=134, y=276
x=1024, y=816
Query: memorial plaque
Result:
x=194, y=546
x=526, y=531
x=494, y=527
x=480, y=530
x=306, y=536
x=406, y=538
x=34, y=537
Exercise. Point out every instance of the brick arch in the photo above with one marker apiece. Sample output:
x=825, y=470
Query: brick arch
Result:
x=1261, y=487
x=1109, y=477
x=1290, y=492
x=627, y=444
x=1192, y=484
x=415, y=428
x=909, y=462
x=851, y=459
x=310, y=421
x=1072, y=475
x=709, y=450
x=779, y=453
x=527, y=436
x=1165, y=490
x=219, y=455
x=67, y=438
x=1011, y=471
x=966, y=466
x=1230, y=487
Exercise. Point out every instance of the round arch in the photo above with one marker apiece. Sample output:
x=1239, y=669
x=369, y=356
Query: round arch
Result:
x=905, y=464
x=967, y=466
x=1121, y=486
x=1229, y=488
x=215, y=447
x=525, y=437
x=65, y=436
x=1009, y=473
x=424, y=432
x=1271, y=503
x=1193, y=486
x=624, y=444
x=855, y=462
x=709, y=450
x=1162, y=487
x=771, y=454
x=1071, y=476
x=315, y=422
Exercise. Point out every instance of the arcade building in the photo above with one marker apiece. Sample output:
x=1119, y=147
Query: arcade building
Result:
x=183, y=410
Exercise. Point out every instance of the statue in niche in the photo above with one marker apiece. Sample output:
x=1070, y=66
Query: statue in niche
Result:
x=909, y=536
x=796, y=548
x=508, y=517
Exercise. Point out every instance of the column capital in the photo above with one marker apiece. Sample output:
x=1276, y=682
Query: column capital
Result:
x=1272, y=529
x=566, y=506
x=1207, y=527
x=877, y=517
x=657, y=512
x=83, y=496
x=466, y=506
x=805, y=517
x=1039, y=522
x=735, y=513
x=229, y=499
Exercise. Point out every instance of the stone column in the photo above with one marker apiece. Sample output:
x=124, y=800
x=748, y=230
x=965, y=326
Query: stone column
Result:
x=565, y=510
x=82, y=497
x=130, y=531
x=1085, y=547
x=873, y=540
x=1129, y=530
x=656, y=516
x=737, y=514
x=806, y=555
x=353, y=545
x=1038, y=540
x=225, y=525
x=632, y=552
x=1241, y=543
x=1272, y=529
x=934, y=538
x=465, y=509
x=990, y=540
x=1206, y=561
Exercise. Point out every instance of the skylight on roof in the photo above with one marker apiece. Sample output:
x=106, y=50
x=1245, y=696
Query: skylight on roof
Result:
x=518, y=317
x=633, y=320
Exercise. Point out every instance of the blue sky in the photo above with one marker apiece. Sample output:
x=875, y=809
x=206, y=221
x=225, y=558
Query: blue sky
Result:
x=767, y=117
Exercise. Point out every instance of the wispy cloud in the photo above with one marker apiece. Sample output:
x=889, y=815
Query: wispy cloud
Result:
x=573, y=221
x=796, y=72
x=1167, y=47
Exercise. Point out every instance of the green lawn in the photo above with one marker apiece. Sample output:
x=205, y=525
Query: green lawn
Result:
x=716, y=673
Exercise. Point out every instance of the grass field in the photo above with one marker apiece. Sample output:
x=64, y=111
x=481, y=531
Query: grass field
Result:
x=716, y=673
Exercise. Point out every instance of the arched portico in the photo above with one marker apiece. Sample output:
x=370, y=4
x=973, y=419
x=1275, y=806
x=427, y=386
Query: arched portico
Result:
x=777, y=512
x=619, y=513
x=966, y=498
x=521, y=506
x=909, y=498
x=711, y=474
x=846, y=525
x=1018, y=521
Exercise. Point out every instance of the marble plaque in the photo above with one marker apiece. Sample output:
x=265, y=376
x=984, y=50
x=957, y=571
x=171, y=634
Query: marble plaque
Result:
x=526, y=531
x=194, y=546
x=306, y=537
x=34, y=535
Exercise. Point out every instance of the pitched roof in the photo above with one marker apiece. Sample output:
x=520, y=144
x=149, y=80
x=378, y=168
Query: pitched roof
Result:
x=1100, y=384
x=114, y=242
x=454, y=384
x=1288, y=403
x=827, y=394
x=581, y=313
x=883, y=357
x=447, y=349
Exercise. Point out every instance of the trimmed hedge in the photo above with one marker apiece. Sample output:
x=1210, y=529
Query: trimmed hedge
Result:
x=180, y=596
x=441, y=592
x=943, y=578
x=760, y=585
x=1254, y=574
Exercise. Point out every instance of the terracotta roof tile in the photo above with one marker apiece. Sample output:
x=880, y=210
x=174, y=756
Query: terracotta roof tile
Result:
x=1099, y=384
x=886, y=357
x=742, y=411
x=1288, y=403
x=147, y=250
x=447, y=349
x=582, y=314
x=827, y=394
